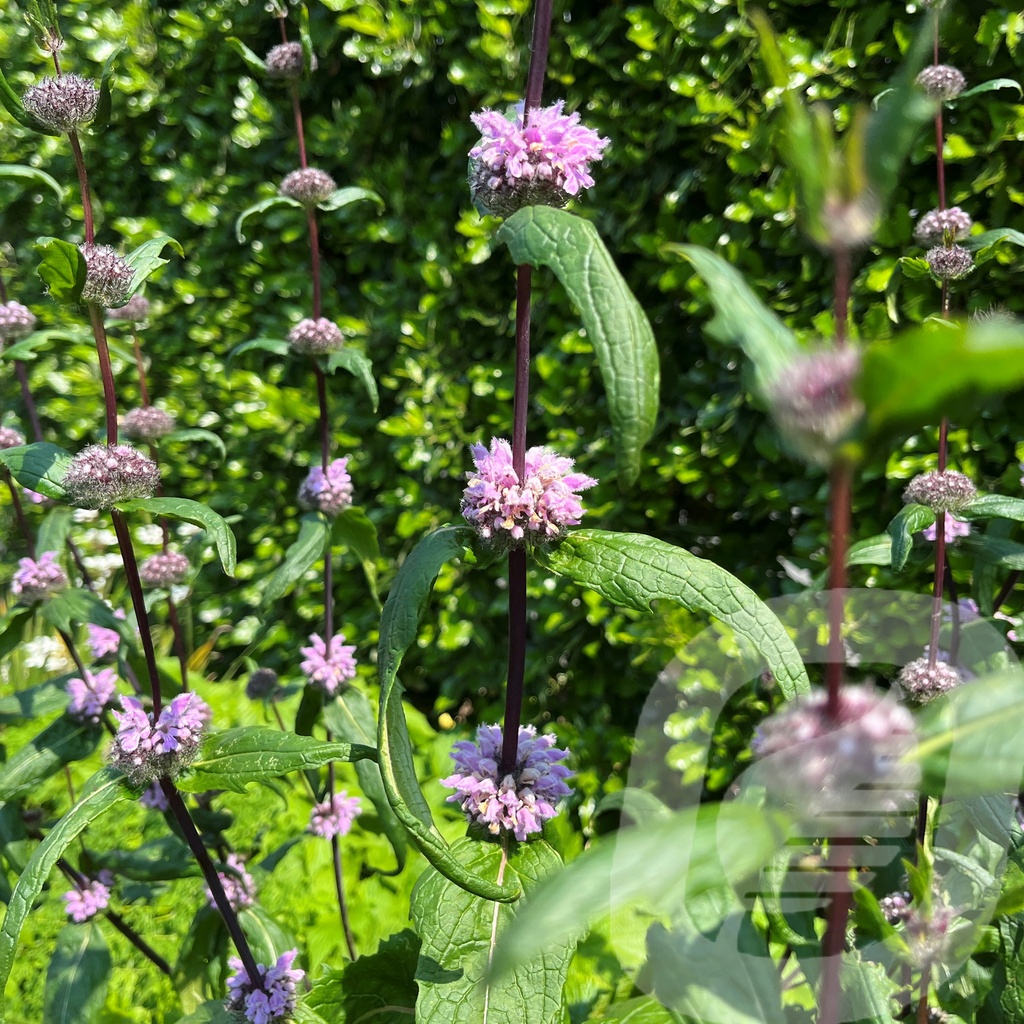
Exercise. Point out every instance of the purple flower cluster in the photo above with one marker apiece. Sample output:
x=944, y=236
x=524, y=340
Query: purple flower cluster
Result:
x=329, y=667
x=518, y=801
x=540, y=508
x=316, y=337
x=935, y=225
x=544, y=158
x=154, y=798
x=11, y=438
x=102, y=475
x=103, y=641
x=63, y=103
x=895, y=906
x=108, y=277
x=146, y=750
x=164, y=569
x=81, y=904
x=16, y=321
x=37, y=579
x=238, y=884
x=308, y=185
x=134, y=311
x=147, y=423
x=276, y=1000
x=954, y=528
x=91, y=695
x=334, y=816
x=329, y=492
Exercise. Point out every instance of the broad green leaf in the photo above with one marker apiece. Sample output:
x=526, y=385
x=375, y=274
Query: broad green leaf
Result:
x=102, y=117
x=78, y=605
x=990, y=86
x=264, y=204
x=267, y=938
x=399, y=625
x=39, y=467
x=35, y=701
x=61, y=742
x=1007, y=554
x=355, y=362
x=25, y=349
x=277, y=346
x=350, y=194
x=254, y=63
x=12, y=101
x=995, y=506
x=990, y=238
x=1004, y=1002
x=356, y=531
x=307, y=549
x=201, y=969
x=871, y=551
x=146, y=258
x=642, y=1010
x=191, y=512
x=236, y=757
x=306, y=41
x=77, y=978
x=350, y=718
x=632, y=570
x=62, y=269
x=12, y=627
x=662, y=862
x=213, y=1011
x=456, y=928
x=909, y=520
x=102, y=792
x=616, y=324
x=53, y=533
x=159, y=860
x=196, y=434
x=740, y=316
x=16, y=172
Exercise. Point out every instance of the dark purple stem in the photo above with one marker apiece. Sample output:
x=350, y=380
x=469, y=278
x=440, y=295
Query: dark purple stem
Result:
x=314, y=253
x=26, y=397
x=839, y=500
x=106, y=371
x=834, y=940
x=339, y=879
x=19, y=514
x=83, y=185
x=297, y=109
x=179, y=642
x=140, y=366
x=1006, y=589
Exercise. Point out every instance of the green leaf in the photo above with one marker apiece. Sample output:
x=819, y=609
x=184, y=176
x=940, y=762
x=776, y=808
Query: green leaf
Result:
x=278, y=346
x=350, y=718
x=213, y=1011
x=255, y=64
x=25, y=349
x=1006, y=554
x=62, y=269
x=191, y=512
x=61, y=742
x=990, y=86
x=351, y=194
x=12, y=101
x=12, y=626
x=102, y=118
x=633, y=570
x=740, y=316
x=78, y=605
x=456, y=927
x=909, y=520
x=399, y=625
x=196, y=434
x=995, y=506
x=307, y=549
x=306, y=41
x=616, y=324
x=267, y=938
x=35, y=701
x=662, y=862
x=15, y=172
x=53, y=533
x=103, y=791
x=264, y=204
x=159, y=860
x=40, y=467
x=355, y=362
x=643, y=1010
x=987, y=239
x=236, y=757
x=146, y=258
x=871, y=551
x=356, y=531
x=77, y=978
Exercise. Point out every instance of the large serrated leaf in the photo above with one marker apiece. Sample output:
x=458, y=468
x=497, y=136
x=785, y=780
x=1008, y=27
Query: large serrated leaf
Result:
x=236, y=757
x=40, y=467
x=191, y=512
x=399, y=624
x=616, y=324
x=103, y=791
x=60, y=743
x=455, y=929
x=304, y=552
x=908, y=521
x=633, y=570
x=76, y=980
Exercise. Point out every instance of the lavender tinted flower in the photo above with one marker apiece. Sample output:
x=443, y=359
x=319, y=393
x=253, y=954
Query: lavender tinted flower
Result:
x=35, y=580
x=64, y=103
x=11, y=438
x=939, y=226
x=929, y=933
x=82, y=904
x=147, y=423
x=519, y=801
x=102, y=475
x=540, y=509
x=949, y=263
x=134, y=311
x=895, y=906
x=164, y=569
x=285, y=61
x=545, y=160
x=153, y=797
x=942, y=81
x=941, y=490
x=276, y=1000
x=331, y=668
x=91, y=695
x=334, y=816
x=316, y=337
x=16, y=321
x=145, y=750
x=922, y=682
x=308, y=185
x=108, y=278
x=238, y=884
x=261, y=684
x=954, y=528
x=329, y=492
x=102, y=641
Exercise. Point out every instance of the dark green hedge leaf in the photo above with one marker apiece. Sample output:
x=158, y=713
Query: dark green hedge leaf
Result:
x=1007, y=554
x=40, y=467
x=159, y=860
x=77, y=978
x=909, y=520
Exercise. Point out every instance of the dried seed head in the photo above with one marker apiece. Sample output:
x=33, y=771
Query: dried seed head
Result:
x=316, y=337
x=942, y=81
x=308, y=186
x=933, y=227
x=102, y=475
x=108, y=278
x=164, y=569
x=147, y=424
x=922, y=682
x=16, y=321
x=950, y=263
x=285, y=61
x=11, y=438
x=135, y=311
x=262, y=683
x=64, y=103
x=941, y=491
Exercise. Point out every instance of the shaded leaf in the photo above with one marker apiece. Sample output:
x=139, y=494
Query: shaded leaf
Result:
x=356, y=531
x=268, y=938
x=355, y=362
x=159, y=860
x=277, y=346
x=12, y=627
x=146, y=258
x=39, y=467
x=261, y=207
x=62, y=269
x=987, y=239
x=196, y=434
x=78, y=605
x=21, y=172
x=995, y=506
x=350, y=194
x=304, y=552
x=61, y=742
x=1006, y=554
x=102, y=116
x=909, y=520
x=35, y=701
x=254, y=63
x=77, y=978
x=990, y=86
x=643, y=1010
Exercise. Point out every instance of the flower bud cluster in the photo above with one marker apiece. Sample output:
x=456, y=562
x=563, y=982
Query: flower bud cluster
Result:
x=272, y=1002
x=164, y=569
x=108, y=278
x=261, y=684
x=308, y=186
x=35, y=580
x=334, y=816
x=936, y=226
x=949, y=262
x=941, y=490
x=82, y=903
x=316, y=337
x=64, y=103
x=922, y=682
x=146, y=750
x=102, y=475
x=329, y=492
x=942, y=81
x=147, y=424
x=286, y=62
x=11, y=438
x=16, y=321
x=92, y=695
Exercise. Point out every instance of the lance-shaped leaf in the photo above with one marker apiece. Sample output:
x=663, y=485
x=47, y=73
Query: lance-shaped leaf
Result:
x=306, y=41
x=236, y=757
x=12, y=627
x=343, y=197
x=12, y=101
x=102, y=118
x=253, y=62
x=616, y=324
x=146, y=258
x=39, y=467
x=1006, y=554
x=103, y=791
x=190, y=434
x=988, y=240
x=399, y=624
x=77, y=977
x=995, y=506
x=21, y=172
x=991, y=86
x=62, y=269
x=262, y=206
x=909, y=520
x=633, y=570
x=194, y=512
x=355, y=362
x=276, y=346
x=457, y=931
x=78, y=605
x=35, y=701
x=60, y=743
x=306, y=550
x=356, y=531
x=741, y=318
